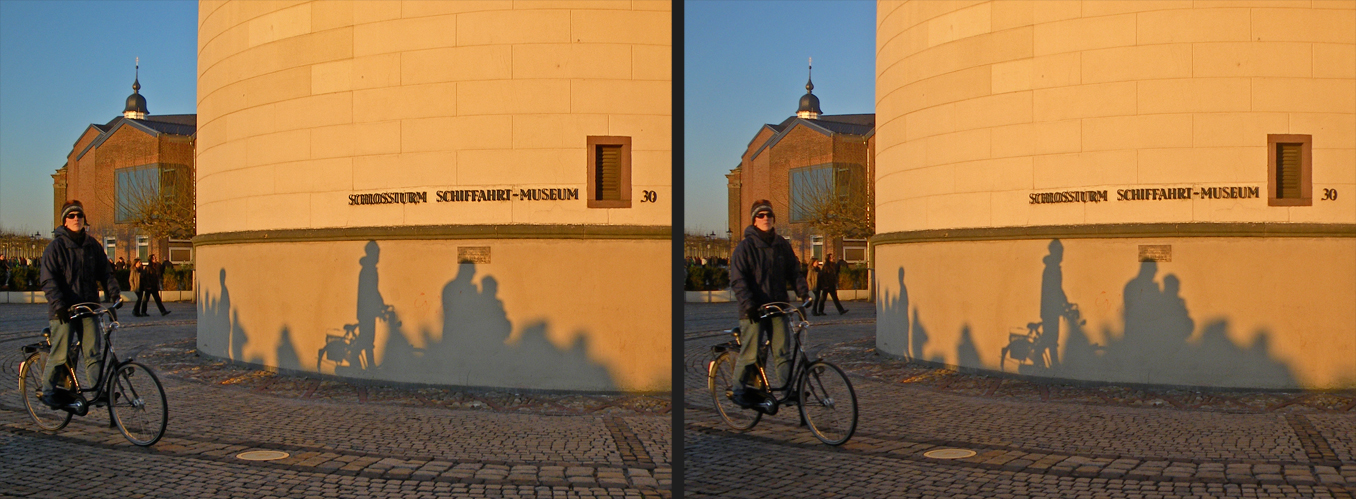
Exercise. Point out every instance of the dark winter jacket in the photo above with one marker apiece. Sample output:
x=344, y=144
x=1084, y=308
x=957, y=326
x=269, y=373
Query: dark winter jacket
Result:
x=759, y=271
x=828, y=275
x=151, y=273
x=71, y=271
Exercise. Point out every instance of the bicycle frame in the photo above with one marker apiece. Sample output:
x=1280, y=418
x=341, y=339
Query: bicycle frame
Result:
x=799, y=359
x=82, y=311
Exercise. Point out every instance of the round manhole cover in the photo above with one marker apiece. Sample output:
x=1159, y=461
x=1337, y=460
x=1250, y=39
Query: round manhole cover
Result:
x=262, y=455
x=949, y=453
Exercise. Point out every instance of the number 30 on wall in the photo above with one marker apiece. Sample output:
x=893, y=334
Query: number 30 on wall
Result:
x=1329, y=194
x=649, y=197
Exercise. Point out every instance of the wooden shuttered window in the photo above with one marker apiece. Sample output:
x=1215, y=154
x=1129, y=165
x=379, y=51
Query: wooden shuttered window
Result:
x=1289, y=165
x=609, y=172
x=1288, y=170
x=607, y=175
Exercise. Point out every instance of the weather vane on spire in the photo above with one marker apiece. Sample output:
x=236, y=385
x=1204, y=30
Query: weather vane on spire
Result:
x=809, y=80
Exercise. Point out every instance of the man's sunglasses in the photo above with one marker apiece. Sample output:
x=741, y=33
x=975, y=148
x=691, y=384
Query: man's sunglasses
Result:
x=764, y=215
x=75, y=215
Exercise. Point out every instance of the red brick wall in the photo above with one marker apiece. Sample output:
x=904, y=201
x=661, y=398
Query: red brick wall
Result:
x=92, y=179
x=768, y=175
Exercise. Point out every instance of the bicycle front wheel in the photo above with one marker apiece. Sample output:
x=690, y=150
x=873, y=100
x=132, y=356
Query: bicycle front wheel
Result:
x=720, y=380
x=138, y=403
x=30, y=386
x=828, y=403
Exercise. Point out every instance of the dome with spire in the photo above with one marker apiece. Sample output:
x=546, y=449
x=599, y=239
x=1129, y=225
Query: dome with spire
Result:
x=136, y=104
x=809, y=104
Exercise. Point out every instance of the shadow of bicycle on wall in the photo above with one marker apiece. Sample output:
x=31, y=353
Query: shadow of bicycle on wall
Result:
x=1158, y=344
x=476, y=346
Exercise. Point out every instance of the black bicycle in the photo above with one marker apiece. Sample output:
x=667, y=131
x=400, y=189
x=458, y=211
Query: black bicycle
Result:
x=131, y=391
x=828, y=404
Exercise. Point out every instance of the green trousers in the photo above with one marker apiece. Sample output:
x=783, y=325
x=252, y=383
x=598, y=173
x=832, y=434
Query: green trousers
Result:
x=89, y=348
x=748, y=351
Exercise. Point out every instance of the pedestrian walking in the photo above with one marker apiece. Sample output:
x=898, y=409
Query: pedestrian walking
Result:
x=134, y=280
x=812, y=279
x=150, y=282
x=828, y=282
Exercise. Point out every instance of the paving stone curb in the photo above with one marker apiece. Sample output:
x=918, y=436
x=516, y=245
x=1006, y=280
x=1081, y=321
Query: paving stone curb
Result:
x=654, y=479
x=1336, y=479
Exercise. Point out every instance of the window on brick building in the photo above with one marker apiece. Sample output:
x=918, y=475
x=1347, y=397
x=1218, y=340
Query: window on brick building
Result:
x=136, y=188
x=609, y=172
x=144, y=248
x=821, y=191
x=1289, y=168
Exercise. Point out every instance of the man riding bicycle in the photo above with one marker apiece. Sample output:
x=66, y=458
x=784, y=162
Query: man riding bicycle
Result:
x=73, y=265
x=760, y=268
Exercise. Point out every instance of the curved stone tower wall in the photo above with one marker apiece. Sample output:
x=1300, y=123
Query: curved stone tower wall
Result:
x=1089, y=181
x=400, y=190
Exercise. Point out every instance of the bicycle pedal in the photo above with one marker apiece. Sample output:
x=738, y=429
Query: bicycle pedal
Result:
x=768, y=407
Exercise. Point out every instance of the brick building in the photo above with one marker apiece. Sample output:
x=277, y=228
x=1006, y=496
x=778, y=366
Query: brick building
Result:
x=802, y=165
x=115, y=165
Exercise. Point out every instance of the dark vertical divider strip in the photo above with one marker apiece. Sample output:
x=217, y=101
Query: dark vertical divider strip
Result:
x=678, y=277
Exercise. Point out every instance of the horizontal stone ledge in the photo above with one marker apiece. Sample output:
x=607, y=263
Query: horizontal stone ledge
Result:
x=438, y=232
x=1099, y=231
x=127, y=296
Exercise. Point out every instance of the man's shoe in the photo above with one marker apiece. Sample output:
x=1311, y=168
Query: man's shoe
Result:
x=46, y=399
x=56, y=399
x=164, y=313
x=843, y=311
x=740, y=397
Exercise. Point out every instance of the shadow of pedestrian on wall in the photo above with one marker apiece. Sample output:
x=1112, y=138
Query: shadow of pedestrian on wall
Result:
x=1054, y=303
x=217, y=315
x=1157, y=345
x=480, y=348
x=478, y=345
x=967, y=354
x=287, y=352
x=370, y=307
x=892, y=320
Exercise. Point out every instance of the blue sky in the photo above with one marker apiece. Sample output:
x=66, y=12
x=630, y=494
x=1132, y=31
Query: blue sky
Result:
x=745, y=66
x=67, y=64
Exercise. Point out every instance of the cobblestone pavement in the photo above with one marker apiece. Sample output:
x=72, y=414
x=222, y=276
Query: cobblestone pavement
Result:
x=1031, y=439
x=343, y=439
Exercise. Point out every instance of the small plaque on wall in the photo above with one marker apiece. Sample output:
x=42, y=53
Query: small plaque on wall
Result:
x=1155, y=252
x=473, y=254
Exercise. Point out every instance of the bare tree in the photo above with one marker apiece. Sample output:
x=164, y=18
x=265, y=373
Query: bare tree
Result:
x=157, y=200
x=833, y=200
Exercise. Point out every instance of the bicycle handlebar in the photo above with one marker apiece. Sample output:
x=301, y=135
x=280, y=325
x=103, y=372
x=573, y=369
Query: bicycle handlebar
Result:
x=90, y=309
x=774, y=309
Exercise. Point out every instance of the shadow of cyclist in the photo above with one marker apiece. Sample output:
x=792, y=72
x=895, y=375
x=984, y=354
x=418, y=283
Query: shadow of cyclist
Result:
x=371, y=306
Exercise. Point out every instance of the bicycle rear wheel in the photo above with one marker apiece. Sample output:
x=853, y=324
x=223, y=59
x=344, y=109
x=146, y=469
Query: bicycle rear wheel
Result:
x=720, y=380
x=30, y=386
x=138, y=403
x=828, y=403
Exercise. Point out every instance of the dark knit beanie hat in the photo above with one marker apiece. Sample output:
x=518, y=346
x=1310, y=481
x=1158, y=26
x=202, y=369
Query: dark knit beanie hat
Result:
x=760, y=206
x=71, y=206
